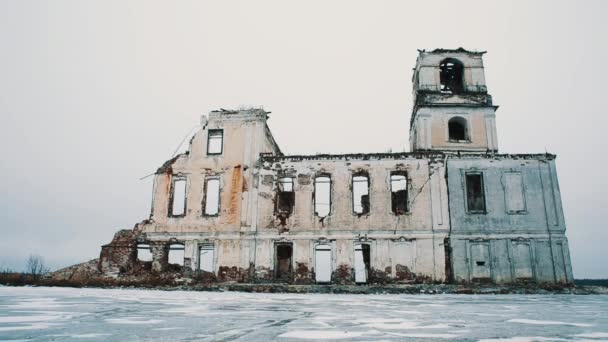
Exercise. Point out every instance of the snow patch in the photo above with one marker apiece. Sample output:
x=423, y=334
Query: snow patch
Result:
x=320, y=334
x=133, y=320
x=593, y=335
x=533, y=321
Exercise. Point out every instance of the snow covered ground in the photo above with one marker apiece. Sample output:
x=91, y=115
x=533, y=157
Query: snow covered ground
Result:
x=58, y=314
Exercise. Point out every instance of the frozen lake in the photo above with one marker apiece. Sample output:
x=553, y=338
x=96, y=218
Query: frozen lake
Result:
x=65, y=314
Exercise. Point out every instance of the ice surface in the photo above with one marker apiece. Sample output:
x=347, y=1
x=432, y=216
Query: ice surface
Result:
x=56, y=314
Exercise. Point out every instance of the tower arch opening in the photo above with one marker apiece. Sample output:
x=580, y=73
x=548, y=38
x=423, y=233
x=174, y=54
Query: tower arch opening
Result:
x=457, y=129
x=451, y=76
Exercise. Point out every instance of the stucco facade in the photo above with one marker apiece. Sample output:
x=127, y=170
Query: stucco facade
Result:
x=235, y=208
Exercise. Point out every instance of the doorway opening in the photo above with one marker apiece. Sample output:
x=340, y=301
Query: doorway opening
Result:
x=283, y=261
x=323, y=264
x=362, y=263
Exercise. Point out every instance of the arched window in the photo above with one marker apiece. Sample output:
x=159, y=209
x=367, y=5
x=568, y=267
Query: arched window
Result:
x=451, y=76
x=457, y=129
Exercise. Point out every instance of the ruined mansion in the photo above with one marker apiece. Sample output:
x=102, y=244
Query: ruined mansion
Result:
x=454, y=209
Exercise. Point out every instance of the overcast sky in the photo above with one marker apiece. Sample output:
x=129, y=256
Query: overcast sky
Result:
x=96, y=94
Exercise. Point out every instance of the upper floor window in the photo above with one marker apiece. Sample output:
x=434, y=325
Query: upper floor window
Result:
x=476, y=199
x=212, y=197
x=215, y=141
x=399, y=193
x=451, y=73
x=360, y=194
x=457, y=129
x=177, y=202
x=285, y=196
x=322, y=195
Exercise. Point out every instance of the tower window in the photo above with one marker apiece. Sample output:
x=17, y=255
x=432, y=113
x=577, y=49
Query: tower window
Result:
x=450, y=75
x=457, y=129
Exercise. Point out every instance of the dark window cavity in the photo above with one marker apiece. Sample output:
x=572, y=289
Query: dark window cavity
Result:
x=451, y=73
x=476, y=202
x=285, y=196
x=361, y=194
x=457, y=129
x=212, y=197
x=399, y=204
x=178, y=197
x=283, y=256
x=144, y=253
x=215, y=141
x=176, y=254
x=322, y=196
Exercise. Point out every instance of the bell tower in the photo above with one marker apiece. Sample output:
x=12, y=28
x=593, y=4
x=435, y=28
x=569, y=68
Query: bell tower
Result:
x=452, y=108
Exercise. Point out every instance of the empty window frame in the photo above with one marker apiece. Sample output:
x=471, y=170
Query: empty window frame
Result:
x=399, y=205
x=206, y=256
x=322, y=196
x=215, y=142
x=457, y=129
x=178, y=197
x=176, y=254
x=476, y=201
x=361, y=194
x=212, y=197
x=144, y=253
x=323, y=263
x=451, y=73
x=285, y=196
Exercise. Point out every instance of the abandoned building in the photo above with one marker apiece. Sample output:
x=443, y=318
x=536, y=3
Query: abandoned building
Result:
x=235, y=208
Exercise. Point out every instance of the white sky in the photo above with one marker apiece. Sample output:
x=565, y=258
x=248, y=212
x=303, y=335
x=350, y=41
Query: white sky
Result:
x=96, y=94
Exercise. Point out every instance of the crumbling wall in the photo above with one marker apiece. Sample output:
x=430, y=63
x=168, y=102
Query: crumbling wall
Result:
x=119, y=255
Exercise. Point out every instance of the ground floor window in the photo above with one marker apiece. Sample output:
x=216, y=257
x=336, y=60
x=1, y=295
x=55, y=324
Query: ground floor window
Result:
x=206, y=256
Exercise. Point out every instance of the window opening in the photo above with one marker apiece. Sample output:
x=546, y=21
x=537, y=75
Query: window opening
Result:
x=212, y=197
x=206, y=255
x=475, y=193
x=215, y=141
x=360, y=195
x=176, y=254
x=399, y=193
x=457, y=129
x=178, y=202
x=323, y=263
x=285, y=196
x=283, y=258
x=144, y=253
x=362, y=263
x=451, y=76
x=322, y=196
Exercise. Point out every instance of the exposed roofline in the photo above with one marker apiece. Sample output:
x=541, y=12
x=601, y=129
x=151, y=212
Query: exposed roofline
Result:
x=459, y=50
